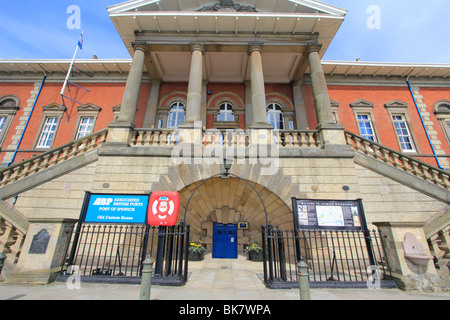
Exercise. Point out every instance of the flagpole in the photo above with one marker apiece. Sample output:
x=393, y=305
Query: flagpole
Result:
x=70, y=69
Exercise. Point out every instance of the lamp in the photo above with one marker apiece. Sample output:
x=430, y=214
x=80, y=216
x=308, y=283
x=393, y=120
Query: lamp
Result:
x=227, y=163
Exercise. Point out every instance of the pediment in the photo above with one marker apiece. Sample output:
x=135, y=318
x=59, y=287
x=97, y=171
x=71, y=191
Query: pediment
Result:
x=54, y=107
x=442, y=107
x=361, y=103
x=396, y=104
x=89, y=108
x=262, y=6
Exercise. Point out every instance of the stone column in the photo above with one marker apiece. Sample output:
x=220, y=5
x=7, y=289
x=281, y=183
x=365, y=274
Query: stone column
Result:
x=319, y=85
x=301, y=116
x=258, y=92
x=330, y=133
x=194, y=96
x=152, y=105
x=133, y=87
x=121, y=131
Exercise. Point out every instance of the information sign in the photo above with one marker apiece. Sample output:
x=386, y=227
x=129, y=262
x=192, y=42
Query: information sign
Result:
x=328, y=214
x=117, y=208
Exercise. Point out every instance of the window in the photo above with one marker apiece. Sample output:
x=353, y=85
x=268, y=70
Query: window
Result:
x=8, y=108
x=2, y=123
x=366, y=127
x=48, y=132
x=275, y=116
x=85, y=128
x=176, y=115
x=403, y=133
x=225, y=113
x=442, y=111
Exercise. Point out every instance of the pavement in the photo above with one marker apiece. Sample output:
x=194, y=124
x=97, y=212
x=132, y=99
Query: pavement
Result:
x=209, y=280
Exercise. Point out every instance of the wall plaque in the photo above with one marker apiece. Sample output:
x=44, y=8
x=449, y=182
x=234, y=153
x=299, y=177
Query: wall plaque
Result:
x=40, y=242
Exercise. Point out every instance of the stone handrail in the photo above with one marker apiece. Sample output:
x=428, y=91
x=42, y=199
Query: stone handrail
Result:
x=52, y=157
x=155, y=137
x=230, y=137
x=437, y=232
x=13, y=229
x=398, y=160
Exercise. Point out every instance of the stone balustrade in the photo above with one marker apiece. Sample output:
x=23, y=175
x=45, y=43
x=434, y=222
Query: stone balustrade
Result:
x=13, y=229
x=230, y=137
x=52, y=157
x=398, y=160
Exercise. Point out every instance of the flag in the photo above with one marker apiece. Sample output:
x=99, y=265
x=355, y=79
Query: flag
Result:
x=80, y=42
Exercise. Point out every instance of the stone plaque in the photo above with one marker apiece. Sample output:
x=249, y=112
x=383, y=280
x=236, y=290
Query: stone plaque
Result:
x=40, y=242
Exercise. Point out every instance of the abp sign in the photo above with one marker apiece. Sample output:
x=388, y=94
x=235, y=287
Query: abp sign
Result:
x=163, y=209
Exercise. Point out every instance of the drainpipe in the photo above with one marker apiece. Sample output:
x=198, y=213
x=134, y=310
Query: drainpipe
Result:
x=424, y=126
x=28, y=121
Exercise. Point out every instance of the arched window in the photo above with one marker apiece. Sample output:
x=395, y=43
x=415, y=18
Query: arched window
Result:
x=8, y=108
x=176, y=115
x=275, y=116
x=226, y=112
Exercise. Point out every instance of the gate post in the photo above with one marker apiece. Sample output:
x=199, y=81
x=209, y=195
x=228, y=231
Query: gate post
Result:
x=303, y=280
x=146, y=282
x=160, y=250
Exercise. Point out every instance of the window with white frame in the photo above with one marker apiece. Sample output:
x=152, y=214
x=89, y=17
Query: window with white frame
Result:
x=176, y=115
x=366, y=127
x=226, y=112
x=403, y=133
x=8, y=108
x=2, y=123
x=275, y=116
x=85, y=127
x=48, y=132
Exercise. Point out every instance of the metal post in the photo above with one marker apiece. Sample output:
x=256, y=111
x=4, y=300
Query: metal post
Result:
x=146, y=282
x=2, y=261
x=303, y=280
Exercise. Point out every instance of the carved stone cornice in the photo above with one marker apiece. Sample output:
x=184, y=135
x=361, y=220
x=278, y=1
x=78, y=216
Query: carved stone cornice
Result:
x=228, y=6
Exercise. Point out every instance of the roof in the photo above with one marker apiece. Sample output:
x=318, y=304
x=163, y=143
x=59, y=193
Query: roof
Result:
x=331, y=68
x=270, y=17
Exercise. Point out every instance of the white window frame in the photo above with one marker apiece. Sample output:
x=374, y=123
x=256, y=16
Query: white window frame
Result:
x=226, y=110
x=48, y=133
x=7, y=112
x=85, y=129
x=275, y=110
x=401, y=136
x=362, y=129
x=176, y=109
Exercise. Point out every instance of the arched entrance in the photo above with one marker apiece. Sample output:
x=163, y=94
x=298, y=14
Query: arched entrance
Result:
x=219, y=205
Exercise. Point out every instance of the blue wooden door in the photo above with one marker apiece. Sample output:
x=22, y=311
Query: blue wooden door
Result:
x=224, y=241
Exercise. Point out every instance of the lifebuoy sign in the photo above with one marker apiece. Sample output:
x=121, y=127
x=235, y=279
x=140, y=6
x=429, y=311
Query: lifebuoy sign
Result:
x=163, y=209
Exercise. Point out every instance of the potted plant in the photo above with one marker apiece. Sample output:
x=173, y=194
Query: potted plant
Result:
x=255, y=251
x=196, y=251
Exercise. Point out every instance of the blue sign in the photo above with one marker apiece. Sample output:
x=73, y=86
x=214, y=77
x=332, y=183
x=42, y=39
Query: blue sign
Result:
x=104, y=208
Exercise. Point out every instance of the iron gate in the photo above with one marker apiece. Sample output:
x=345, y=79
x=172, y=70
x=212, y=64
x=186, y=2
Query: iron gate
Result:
x=115, y=253
x=335, y=258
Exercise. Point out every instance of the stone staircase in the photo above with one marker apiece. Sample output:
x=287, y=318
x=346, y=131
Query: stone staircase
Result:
x=437, y=231
x=13, y=230
x=417, y=175
x=27, y=175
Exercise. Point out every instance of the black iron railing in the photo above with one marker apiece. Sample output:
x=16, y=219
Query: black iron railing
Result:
x=334, y=258
x=116, y=252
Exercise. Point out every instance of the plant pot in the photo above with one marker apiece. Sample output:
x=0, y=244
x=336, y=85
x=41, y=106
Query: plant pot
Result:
x=196, y=256
x=255, y=256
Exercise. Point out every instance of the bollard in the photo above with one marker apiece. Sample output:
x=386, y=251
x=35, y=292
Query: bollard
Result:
x=146, y=282
x=2, y=261
x=303, y=280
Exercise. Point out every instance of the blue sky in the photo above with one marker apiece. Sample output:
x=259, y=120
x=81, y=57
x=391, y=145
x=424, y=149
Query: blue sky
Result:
x=406, y=31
